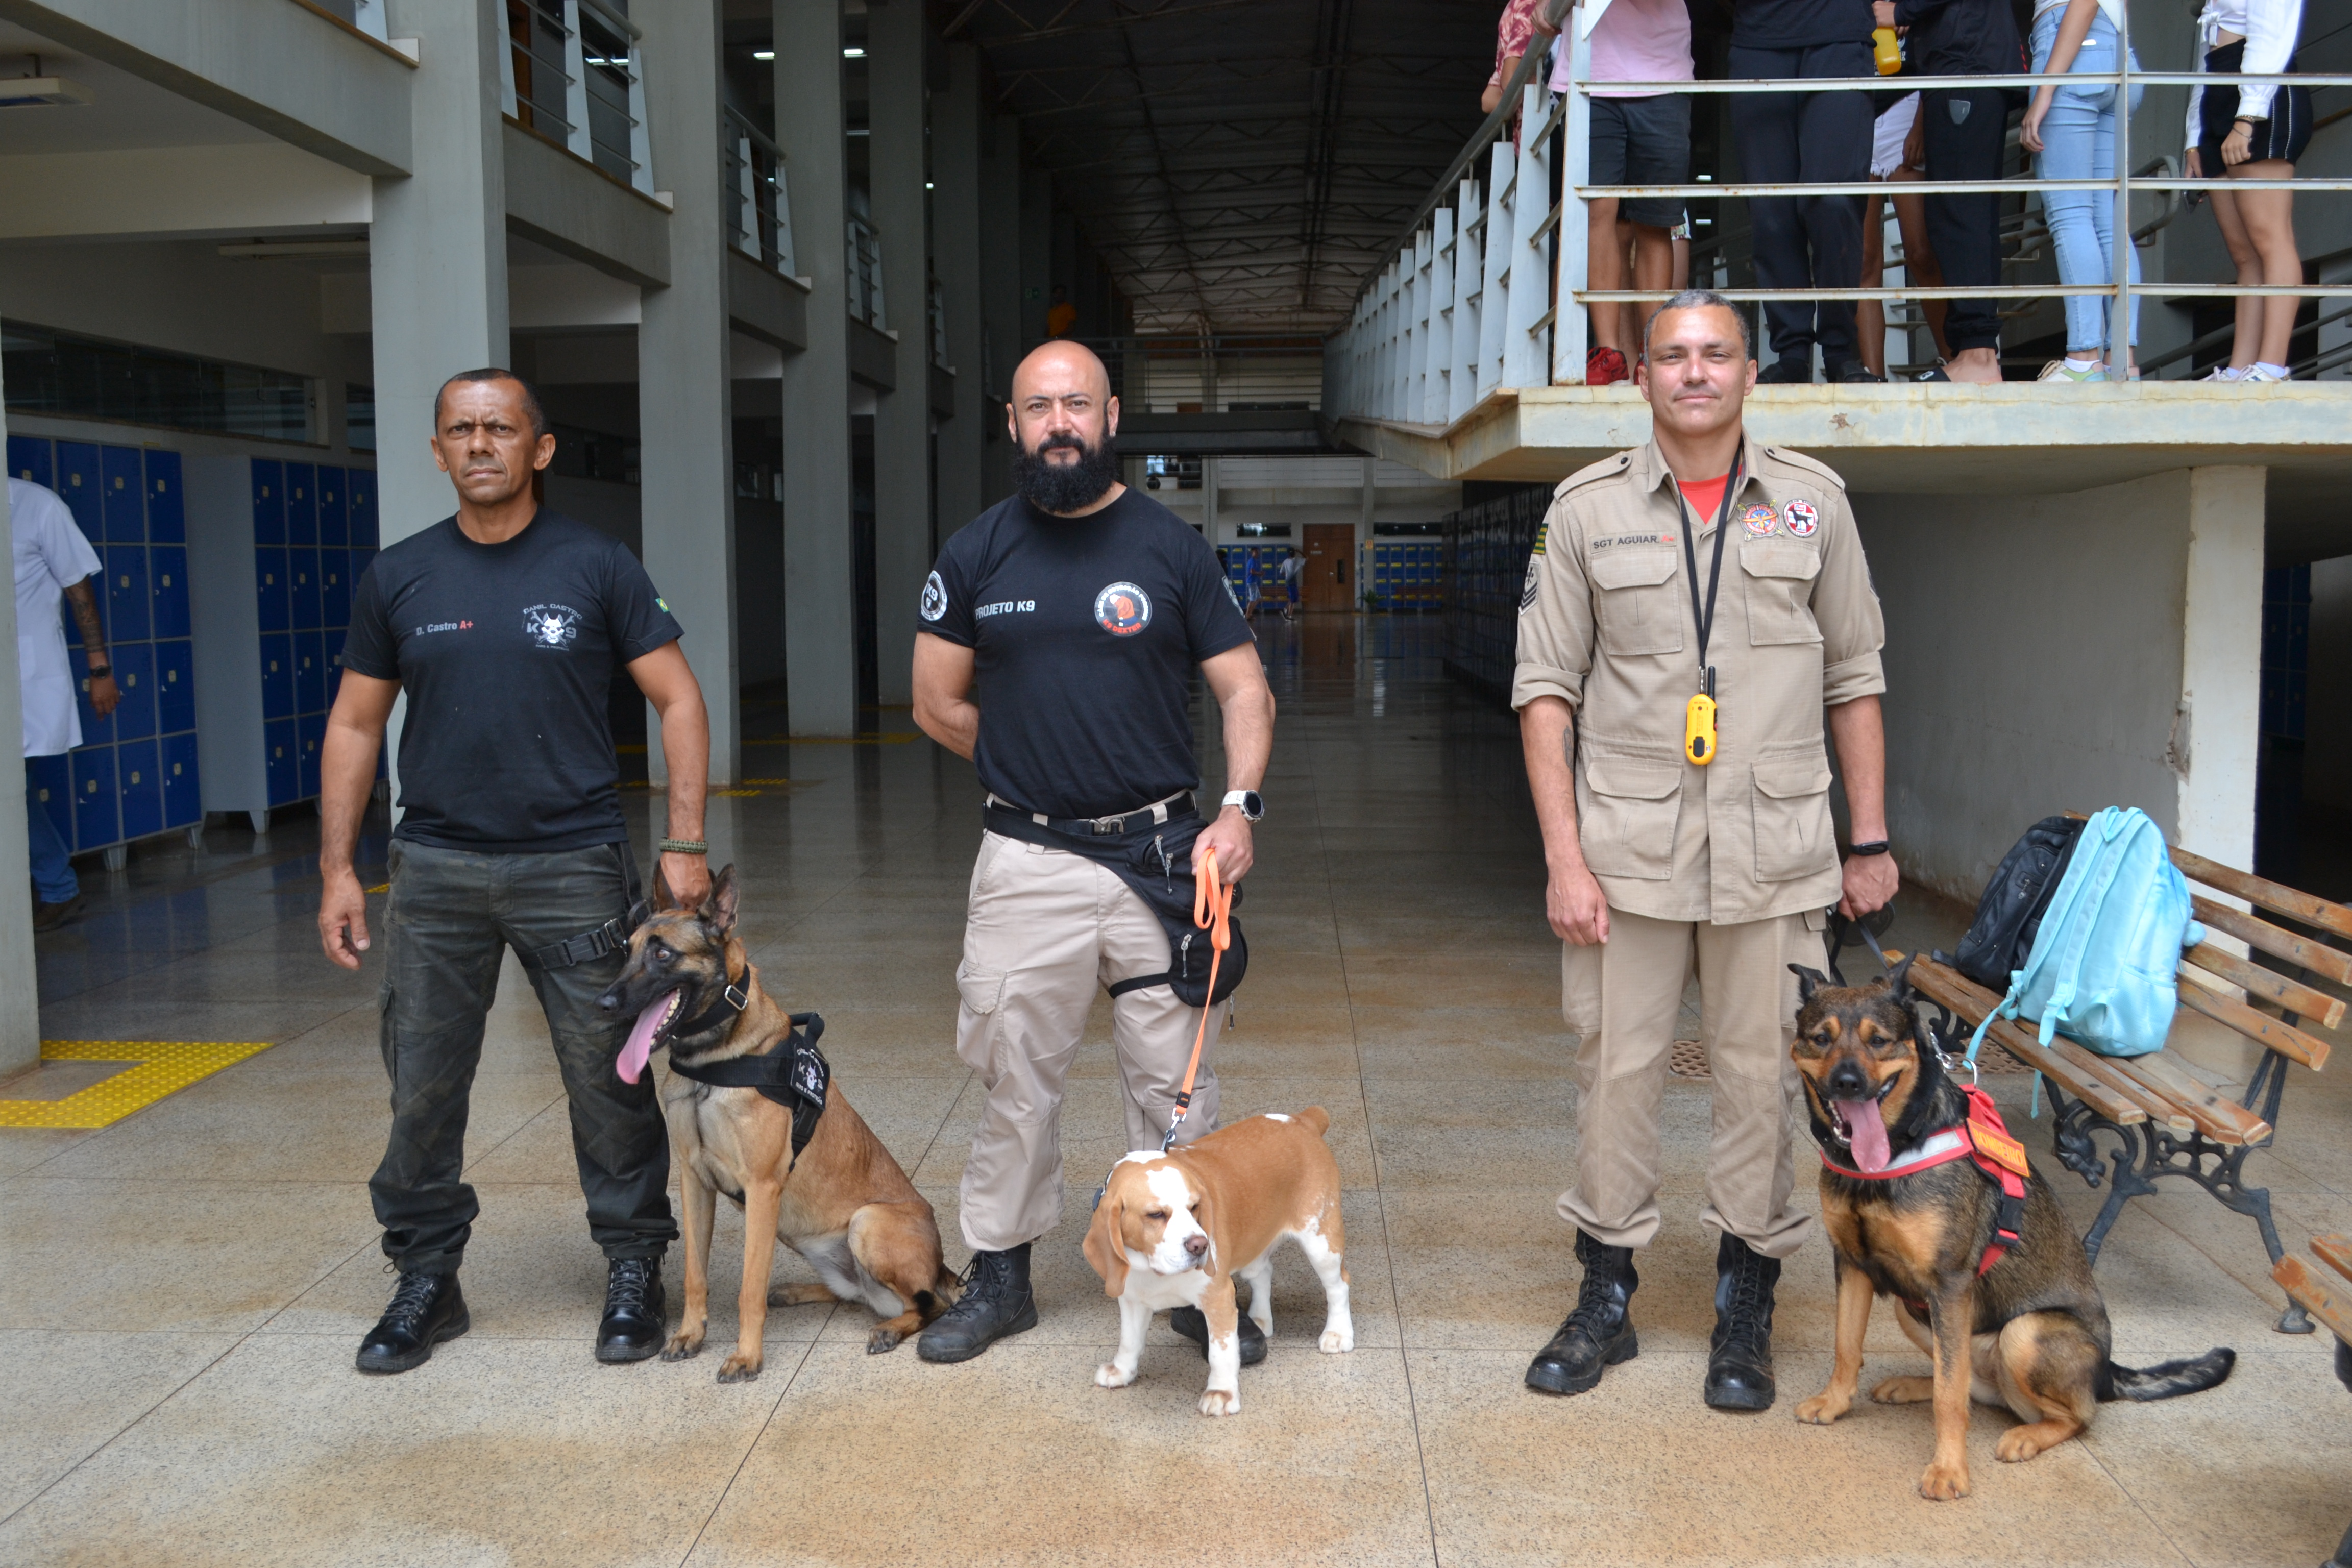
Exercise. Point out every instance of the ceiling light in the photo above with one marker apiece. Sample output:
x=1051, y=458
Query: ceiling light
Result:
x=928, y=186
x=35, y=92
x=853, y=53
x=763, y=54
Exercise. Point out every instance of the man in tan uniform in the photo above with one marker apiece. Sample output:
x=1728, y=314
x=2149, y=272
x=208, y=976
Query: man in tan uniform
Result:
x=1660, y=863
x=1058, y=639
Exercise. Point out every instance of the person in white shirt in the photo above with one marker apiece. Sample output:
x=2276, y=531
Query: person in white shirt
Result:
x=53, y=562
x=1292, y=565
x=2253, y=133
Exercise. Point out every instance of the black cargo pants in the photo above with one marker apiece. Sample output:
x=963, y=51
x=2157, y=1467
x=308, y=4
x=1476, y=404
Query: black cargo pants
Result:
x=452, y=916
x=1812, y=137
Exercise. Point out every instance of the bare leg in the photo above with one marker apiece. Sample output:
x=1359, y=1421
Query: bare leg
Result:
x=2246, y=347
x=1870, y=315
x=2268, y=220
x=1605, y=265
x=1653, y=268
x=1919, y=264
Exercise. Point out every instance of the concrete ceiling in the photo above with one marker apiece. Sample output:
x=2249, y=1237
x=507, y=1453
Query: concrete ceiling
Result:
x=124, y=111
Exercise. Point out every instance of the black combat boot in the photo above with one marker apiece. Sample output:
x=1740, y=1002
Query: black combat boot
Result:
x=996, y=1303
x=635, y=1307
x=425, y=1309
x=1194, y=1324
x=1739, y=1358
x=1599, y=1333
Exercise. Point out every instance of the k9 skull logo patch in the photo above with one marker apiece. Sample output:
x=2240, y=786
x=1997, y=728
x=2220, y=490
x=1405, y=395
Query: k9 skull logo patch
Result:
x=935, y=597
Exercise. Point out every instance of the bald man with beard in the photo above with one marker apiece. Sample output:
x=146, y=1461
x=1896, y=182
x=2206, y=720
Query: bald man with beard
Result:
x=1059, y=633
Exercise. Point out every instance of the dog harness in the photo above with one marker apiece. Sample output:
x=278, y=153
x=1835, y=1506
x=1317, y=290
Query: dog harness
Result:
x=794, y=1075
x=1983, y=1138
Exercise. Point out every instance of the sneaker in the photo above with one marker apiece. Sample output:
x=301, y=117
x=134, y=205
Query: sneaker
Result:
x=2259, y=374
x=2224, y=372
x=2060, y=370
x=1604, y=366
x=1853, y=372
x=49, y=917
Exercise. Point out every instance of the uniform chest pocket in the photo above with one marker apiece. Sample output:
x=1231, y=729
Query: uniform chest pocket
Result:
x=1626, y=818
x=1633, y=601
x=1794, y=835
x=1779, y=574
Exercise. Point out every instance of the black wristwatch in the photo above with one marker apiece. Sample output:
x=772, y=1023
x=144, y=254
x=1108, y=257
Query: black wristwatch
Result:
x=1861, y=851
x=102, y=672
x=1253, y=804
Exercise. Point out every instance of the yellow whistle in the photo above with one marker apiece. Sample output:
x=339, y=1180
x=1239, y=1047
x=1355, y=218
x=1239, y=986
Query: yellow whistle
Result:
x=1885, y=51
x=1699, y=729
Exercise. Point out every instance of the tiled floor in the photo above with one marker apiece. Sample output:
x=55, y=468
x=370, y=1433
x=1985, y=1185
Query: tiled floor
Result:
x=182, y=1292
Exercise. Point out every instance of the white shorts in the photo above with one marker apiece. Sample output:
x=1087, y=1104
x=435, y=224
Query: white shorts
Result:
x=1888, y=135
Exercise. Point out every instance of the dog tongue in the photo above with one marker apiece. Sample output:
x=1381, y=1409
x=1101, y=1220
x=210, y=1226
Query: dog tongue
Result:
x=640, y=1046
x=1865, y=1127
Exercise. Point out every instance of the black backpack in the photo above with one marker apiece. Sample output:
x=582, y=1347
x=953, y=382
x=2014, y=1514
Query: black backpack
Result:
x=2009, y=914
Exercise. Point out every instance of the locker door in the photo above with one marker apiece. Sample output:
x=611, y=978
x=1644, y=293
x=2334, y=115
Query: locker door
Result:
x=176, y=688
x=303, y=585
x=78, y=482
x=312, y=729
x=129, y=615
x=334, y=527
x=334, y=587
x=50, y=782
x=167, y=572
x=269, y=584
x=309, y=673
x=134, y=677
x=301, y=504
x=122, y=491
x=95, y=730
x=278, y=675
x=167, y=515
x=359, y=507
x=335, y=644
x=183, y=794
x=141, y=787
x=29, y=458
x=281, y=761
x=97, y=812
x=269, y=501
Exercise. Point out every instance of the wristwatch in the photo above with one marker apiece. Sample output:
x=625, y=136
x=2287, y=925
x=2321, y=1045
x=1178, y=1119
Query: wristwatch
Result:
x=102, y=672
x=1253, y=804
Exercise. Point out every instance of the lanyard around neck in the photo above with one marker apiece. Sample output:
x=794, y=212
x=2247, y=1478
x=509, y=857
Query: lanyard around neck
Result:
x=1704, y=614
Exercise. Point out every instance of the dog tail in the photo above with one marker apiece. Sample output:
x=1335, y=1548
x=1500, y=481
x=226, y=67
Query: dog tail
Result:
x=947, y=1289
x=2193, y=1375
x=1316, y=1119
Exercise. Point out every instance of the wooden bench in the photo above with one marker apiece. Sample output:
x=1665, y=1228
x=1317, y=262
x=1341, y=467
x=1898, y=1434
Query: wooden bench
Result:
x=2325, y=1293
x=2165, y=1114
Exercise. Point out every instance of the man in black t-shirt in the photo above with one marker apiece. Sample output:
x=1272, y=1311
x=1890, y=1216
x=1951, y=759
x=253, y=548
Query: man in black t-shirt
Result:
x=503, y=625
x=1059, y=635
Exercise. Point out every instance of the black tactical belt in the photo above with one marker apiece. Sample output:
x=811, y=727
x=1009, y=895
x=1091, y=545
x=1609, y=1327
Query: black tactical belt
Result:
x=1158, y=814
x=612, y=936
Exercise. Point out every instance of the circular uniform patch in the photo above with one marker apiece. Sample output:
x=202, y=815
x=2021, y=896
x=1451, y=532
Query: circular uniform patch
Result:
x=1760, y=519
x=935, y=597
x=1803, y=519
x=1122, y=609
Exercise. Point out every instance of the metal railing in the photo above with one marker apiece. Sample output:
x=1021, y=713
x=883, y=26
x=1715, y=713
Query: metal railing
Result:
x=754, y=196
x=572, y=73
x=865, y=300
x=1471, y=304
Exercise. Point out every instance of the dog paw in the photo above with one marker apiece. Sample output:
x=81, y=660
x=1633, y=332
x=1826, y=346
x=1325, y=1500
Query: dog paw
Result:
x=1221, y=1402
x=1822, y=1409
x=2020, y=1444
x=1943, y=1483
x=882, y=1342
x=1904, y=1391
x=682, y=1346
x=1337, y=1341
x=1108, y=1375
x=738, y=1368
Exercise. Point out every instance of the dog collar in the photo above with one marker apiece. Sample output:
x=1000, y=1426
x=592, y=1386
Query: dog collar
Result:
x=731, y=998
x=1939, y=1149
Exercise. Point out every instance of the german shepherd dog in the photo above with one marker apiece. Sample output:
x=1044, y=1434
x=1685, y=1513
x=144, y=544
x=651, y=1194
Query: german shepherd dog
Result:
x=844, y=1204
x=2031, y=1332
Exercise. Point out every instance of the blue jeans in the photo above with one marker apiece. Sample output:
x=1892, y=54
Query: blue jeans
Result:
x=53, y=873
x=2078, y=138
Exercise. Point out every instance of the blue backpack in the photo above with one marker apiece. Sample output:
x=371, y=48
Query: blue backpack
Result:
x=2102, y=969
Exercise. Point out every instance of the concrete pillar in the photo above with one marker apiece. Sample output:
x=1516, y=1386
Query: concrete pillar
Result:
x=20, y=1026
x=820, y=576
x=2011, y=693
x=902, y=419
x=957, y=129
x=437, y=250
x=1000, y=264
x=684, y=407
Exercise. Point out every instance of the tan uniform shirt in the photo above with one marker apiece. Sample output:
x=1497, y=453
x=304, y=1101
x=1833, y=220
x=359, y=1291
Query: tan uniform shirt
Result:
x=1607, y=623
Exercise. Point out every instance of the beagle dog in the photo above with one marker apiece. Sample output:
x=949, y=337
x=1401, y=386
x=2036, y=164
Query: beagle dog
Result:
x=1177, y=1230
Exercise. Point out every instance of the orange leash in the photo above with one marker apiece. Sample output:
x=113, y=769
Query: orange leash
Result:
x=1212, y=907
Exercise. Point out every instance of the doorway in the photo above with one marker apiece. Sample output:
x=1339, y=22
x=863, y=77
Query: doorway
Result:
x=1325, y=583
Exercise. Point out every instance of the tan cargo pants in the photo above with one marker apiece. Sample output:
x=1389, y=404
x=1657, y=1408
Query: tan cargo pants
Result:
x=1045, y=931
x=1622, y=996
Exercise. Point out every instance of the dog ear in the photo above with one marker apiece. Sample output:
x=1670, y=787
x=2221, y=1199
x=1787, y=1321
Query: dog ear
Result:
x=662, y=898
x=1898, y=980
x=1205, y=1216
x=1106, y=1243
x=1808, y=981
x=719, y=910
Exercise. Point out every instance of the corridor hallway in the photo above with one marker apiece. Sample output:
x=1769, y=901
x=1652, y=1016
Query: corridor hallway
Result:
x=183, y=1291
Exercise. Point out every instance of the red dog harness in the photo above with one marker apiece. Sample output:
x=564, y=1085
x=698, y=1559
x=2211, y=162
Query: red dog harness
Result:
x=1983, y=1138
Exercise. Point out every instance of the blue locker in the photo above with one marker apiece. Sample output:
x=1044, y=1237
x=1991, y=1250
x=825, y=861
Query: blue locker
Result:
x=176, y=688
x=95, y=730
x=167, y=514
x=78, y=482
x=269, y=502
x=334, y=523
x=134, y=677
x=167, y=577
x=301, y=504
x=334, y=587
x=303, y=584
x=96, y=810
x=270, y=582
x=50, y=781
x=30, y=459
x=141, y=787
x=312, y=729
x=359, y=507
x=334, y=644
x=277, y=676
x=309, y=672
x=282, y=758
x=183, y=795
x=129, y=616
x=123, y=491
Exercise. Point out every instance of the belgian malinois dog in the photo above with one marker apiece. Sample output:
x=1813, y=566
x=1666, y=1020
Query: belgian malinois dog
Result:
x=844, y=1203
x=2029, y=1332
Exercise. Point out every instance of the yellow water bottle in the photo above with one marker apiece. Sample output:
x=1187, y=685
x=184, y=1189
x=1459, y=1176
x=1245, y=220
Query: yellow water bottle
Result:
x=1885, y=51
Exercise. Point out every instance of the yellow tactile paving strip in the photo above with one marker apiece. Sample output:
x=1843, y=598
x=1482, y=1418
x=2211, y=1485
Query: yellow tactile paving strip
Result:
x=158, y=1068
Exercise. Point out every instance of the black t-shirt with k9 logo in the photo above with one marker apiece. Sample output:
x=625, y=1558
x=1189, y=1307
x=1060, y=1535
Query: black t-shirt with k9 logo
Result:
x=1084, y=632
x=507, y=653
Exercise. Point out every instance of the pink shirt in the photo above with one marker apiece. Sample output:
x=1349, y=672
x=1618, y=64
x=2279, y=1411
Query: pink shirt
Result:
x=1636, y=40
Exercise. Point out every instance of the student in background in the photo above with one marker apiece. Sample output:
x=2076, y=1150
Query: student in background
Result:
x=1521, y=29
x=1890, y=159
x=2253, y=133
x=2071, y=131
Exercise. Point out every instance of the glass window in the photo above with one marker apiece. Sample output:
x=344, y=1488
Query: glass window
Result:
x=50, y=372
